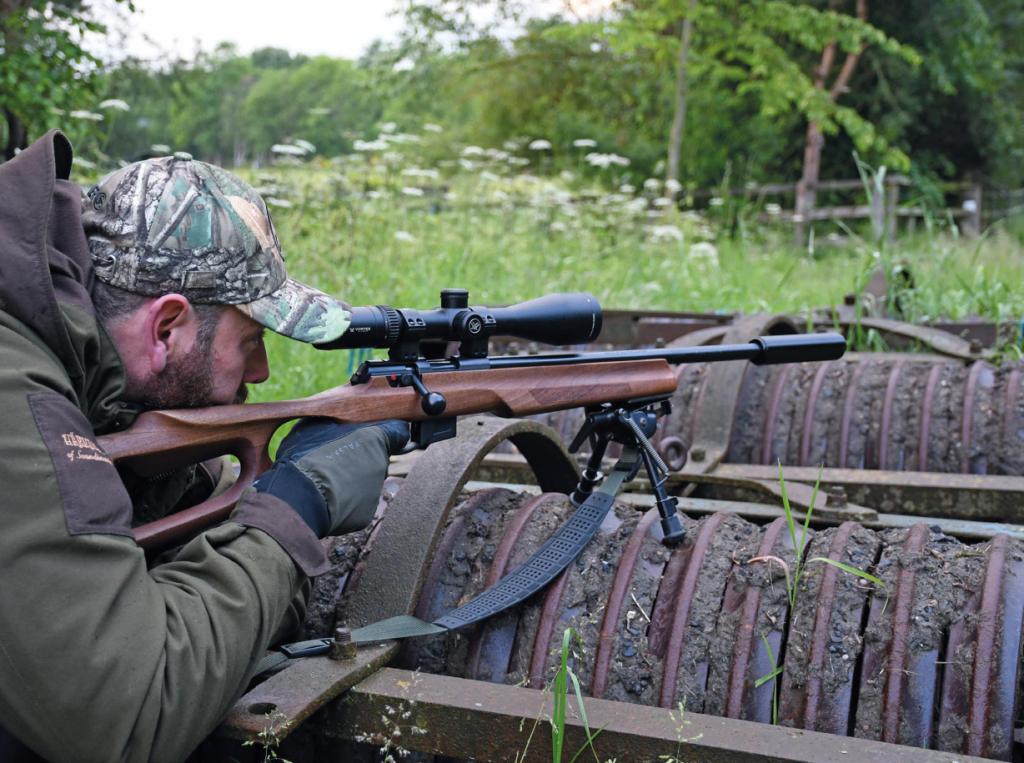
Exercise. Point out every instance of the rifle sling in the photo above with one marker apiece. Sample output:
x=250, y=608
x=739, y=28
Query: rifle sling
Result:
x=557, y=553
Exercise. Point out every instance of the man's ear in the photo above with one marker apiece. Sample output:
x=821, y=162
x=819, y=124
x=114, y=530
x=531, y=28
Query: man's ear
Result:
x=169, y=326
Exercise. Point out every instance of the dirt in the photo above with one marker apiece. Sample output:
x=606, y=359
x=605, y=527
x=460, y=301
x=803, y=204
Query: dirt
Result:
x=843, y=632
x=700, y=644
x=477, y=520
x=634, y=673
x=764, y=581
x=946, y=573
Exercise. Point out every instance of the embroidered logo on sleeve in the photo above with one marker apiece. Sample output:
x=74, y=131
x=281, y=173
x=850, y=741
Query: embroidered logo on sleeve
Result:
x=81, y=448
x=93, y=497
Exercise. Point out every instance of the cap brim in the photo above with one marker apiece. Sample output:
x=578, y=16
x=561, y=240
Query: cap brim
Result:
x=300, y=312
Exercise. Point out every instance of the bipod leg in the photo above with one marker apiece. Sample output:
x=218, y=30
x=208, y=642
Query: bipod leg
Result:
x=592, y=473
x=657, y=472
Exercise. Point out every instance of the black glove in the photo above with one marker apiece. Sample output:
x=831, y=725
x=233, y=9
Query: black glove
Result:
x=332, y=473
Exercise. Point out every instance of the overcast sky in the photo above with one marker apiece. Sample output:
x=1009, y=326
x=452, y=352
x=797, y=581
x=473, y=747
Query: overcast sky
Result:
x=339, y=28
x=342, y=28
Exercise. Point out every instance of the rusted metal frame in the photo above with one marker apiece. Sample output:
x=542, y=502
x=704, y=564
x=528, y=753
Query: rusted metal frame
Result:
x=931, y=494
x=392, y=578
x=936, y=339
x=964, y=529
x=483, y=721
x=994, y=497
x=722, y=382
x=286, y=699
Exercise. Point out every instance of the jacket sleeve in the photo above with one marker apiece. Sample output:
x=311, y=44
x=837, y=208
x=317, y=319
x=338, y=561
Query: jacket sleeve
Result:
x=102, y=659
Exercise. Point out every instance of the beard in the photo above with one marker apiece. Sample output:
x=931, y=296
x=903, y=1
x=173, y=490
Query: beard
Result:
x=185, y=383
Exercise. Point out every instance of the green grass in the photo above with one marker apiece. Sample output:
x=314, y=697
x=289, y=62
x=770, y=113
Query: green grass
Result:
x=354, y=232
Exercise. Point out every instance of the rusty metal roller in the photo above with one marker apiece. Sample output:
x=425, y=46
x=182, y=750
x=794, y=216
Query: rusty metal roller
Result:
x=932, y=661
x=869, y=410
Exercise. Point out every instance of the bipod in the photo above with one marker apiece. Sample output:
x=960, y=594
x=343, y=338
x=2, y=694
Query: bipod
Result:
x=631, y=424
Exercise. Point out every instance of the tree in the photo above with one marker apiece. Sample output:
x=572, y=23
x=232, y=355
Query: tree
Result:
x=43, y=64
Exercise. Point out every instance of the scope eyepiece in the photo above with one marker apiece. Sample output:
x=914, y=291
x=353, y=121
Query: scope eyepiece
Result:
x=573, y=318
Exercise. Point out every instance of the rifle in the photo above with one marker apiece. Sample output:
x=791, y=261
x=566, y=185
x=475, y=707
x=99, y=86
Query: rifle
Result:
x=422, y=383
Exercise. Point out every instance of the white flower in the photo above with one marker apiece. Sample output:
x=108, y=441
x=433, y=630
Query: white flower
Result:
x=661, y=201
x=673, y=186
x=716, y=201
x=404, y=236
x=540, y=145
x=431, y=127
x=115, y=103
x=286, y=149
x=375, y=194
x=84, y=114
x=584, y=143
x=401, y=137
x=490, y=177
x=558, y=227
x=403, y=65
x=567, y=176
x=305, y=145
x=319, y=111
x=416, y=172
x=496, y=154
x=500, y=196
x=467, y=165
x=518, y=161
x=410, y=191
x=370, y=145
x=160, y=148
x=627, y=188
x=773, y=209
x=652, y=184
x=472, y=151
x=666, y=233
x=392, y=157
x=704, y=250
x=605, y=160
x=273, y=201
x=388, y=127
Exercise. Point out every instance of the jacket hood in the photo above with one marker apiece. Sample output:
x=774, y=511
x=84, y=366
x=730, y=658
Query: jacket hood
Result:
x=46, y=271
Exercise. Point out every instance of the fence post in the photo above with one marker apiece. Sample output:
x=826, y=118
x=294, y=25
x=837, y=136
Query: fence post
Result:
x=877, y=199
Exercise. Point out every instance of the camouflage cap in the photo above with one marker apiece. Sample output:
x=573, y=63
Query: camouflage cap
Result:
x=177, y=225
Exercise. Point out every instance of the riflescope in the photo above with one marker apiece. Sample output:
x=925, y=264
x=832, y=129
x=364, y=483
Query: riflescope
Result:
x=561, y=319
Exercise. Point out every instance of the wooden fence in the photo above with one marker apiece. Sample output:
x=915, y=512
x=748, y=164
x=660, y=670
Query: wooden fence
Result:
x=883, y=208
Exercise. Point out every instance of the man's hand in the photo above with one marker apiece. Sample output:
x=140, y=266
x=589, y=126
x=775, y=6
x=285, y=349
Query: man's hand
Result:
x=332, y=473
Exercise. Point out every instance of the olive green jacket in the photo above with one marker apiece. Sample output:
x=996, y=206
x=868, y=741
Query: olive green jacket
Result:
x=101, y=657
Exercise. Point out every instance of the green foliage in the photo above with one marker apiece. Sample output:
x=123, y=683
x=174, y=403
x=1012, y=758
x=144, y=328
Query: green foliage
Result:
x=43, y=64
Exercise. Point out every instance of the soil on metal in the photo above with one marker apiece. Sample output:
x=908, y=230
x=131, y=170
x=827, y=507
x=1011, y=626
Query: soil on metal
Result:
x=926, y=593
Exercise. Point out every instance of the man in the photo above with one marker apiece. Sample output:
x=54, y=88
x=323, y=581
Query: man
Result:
x=151, y=292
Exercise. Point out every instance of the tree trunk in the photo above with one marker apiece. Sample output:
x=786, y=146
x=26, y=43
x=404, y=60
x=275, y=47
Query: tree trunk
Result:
x=814, y=142
x=675, y=141
x=17, y=135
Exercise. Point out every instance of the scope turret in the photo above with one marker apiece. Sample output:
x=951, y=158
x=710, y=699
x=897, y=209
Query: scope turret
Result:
x=573, y=318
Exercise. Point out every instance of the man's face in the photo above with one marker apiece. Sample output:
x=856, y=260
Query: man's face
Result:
x=213, y=371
